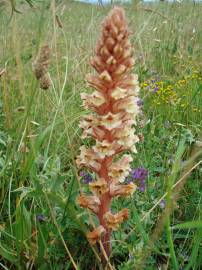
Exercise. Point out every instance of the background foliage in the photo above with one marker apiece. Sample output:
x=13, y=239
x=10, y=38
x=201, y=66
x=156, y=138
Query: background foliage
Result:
x=41, y=226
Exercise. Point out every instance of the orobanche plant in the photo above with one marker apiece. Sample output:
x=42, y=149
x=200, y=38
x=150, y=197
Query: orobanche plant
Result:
x=111, y=126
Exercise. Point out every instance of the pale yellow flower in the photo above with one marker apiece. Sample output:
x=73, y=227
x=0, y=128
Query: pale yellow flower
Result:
x=127, y=104
x=128, y=142
x=88, y=158
x=110, y=120
x=119, y=93
x=105, y=76
x=105, y=148
x=120, y=169
x=96, y=82
x=95, y=99
x=130, y=81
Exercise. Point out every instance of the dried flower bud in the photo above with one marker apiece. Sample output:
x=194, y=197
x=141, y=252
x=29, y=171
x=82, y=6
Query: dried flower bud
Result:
x=110, y=120
x=104, y=148
x=45, y=81
x=2, y=71
x=99, y=187
x=95, y=235
x=58, y=21
x=105, y=76
x=113, y=221
x=122, y=190
x=42, y=62
x=41, y=66
x=90, y=202
x=23, y=148
x=96, y=99
x=141, y=137
x=119, y=170
x=88, y=158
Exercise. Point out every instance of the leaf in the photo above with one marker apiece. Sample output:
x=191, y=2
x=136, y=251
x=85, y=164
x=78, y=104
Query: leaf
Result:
x=27, y=222
x=2, y=142
x=23, y=224
x=13, y=5
x=195, y=249
x=57, y=182
x=8, y=254
x=34, y=150
x=189, y=225
x=42, y=242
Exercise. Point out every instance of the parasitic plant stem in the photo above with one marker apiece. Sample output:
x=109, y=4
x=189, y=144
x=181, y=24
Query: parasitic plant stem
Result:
x=114, y=108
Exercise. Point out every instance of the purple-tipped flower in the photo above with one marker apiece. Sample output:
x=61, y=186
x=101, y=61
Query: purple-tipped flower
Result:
x=40, y=218
x=140, y=102
x=139, y=174
x=141, y=185
x=156, y=89
x=86, y=177
x=162, y=204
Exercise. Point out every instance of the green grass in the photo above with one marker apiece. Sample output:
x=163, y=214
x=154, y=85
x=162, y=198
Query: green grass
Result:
x=167, y=42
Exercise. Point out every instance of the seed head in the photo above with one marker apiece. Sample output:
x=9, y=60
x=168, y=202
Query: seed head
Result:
x=41, y=66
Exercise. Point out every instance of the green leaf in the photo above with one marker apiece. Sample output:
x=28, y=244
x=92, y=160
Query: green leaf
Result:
x=57, y=182
x=34, y=151
x=13, y=5
x=23, y=224
x=42, y=243
x=195, y=249
x=171, y=245
x=189, y=225
x=7, y=254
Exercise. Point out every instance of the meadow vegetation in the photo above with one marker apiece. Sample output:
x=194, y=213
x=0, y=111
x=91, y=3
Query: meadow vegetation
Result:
x=41, y=225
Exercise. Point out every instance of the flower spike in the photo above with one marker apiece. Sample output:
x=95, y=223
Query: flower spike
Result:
x=111, y=125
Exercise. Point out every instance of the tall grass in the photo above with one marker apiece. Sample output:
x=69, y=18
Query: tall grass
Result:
x=40, y=225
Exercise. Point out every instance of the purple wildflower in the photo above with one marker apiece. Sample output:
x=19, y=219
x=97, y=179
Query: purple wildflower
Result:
x=139, y=102
x=156, y=89
x=40, y=218
x=162, y=204
x=138, y=176
x=139, y=173
x=128, y=179
x=86, y=177
x=141, y=185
